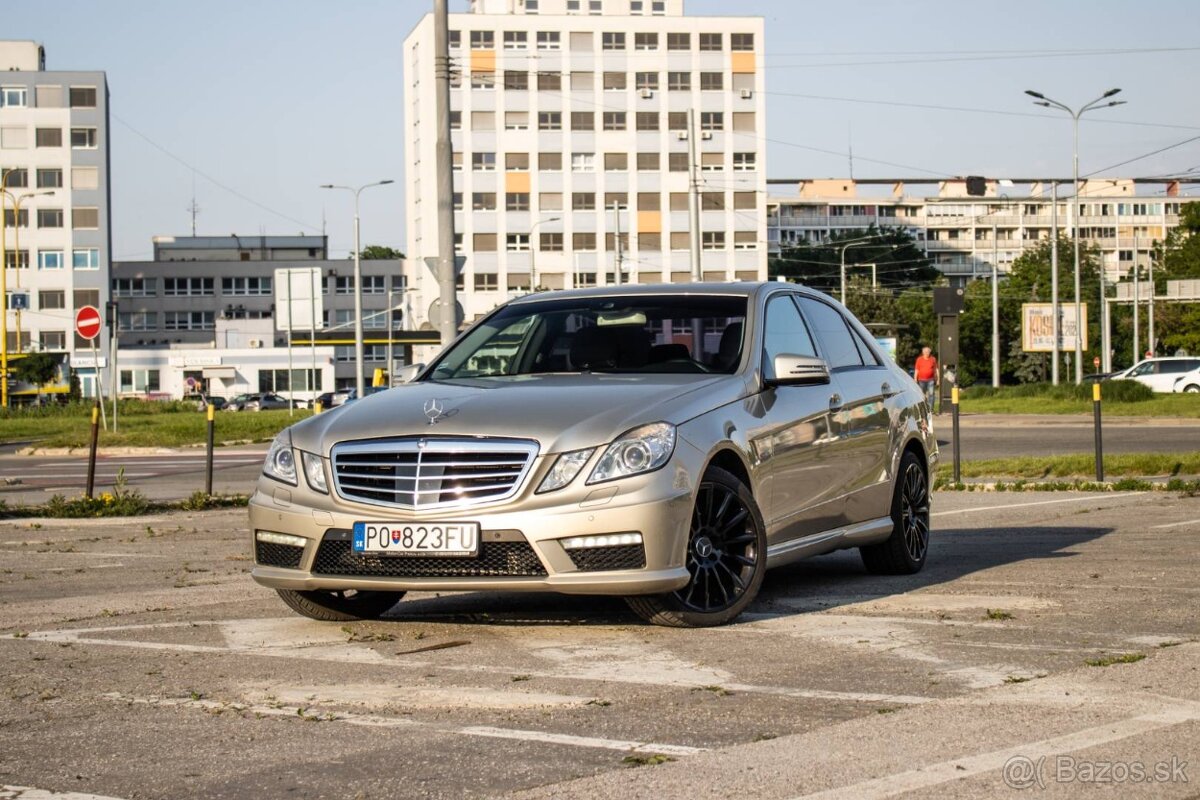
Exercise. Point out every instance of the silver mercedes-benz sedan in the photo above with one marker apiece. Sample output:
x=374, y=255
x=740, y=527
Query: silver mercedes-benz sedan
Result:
x=663, y=443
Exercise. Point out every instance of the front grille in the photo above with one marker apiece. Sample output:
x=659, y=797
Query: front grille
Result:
x=495, y=560
x=600, y=559
x=270, y=554
x=429, y=473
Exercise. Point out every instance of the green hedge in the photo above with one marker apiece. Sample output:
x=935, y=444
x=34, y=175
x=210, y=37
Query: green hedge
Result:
x=1116, y=391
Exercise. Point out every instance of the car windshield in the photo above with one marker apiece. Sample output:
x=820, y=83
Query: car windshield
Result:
x=633, y=334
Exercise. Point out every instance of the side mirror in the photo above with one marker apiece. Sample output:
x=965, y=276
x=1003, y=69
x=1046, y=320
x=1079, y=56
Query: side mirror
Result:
x=793, y=370
x=406, y=373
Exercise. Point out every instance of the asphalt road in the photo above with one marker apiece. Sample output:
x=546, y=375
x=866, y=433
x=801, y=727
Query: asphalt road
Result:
x=137, y=659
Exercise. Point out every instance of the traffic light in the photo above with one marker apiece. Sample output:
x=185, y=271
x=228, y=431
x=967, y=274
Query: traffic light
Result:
x=976, y=186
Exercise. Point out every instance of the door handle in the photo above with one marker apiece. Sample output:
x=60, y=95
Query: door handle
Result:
x=886, y=389
x=835, y=402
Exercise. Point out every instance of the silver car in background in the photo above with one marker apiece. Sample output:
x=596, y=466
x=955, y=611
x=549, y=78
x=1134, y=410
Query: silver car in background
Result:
x=665, y=443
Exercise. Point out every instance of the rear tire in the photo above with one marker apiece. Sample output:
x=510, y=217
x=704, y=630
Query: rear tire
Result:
x=339, y=606
x=905, y=551
x=1191, y=387
x=726, y=558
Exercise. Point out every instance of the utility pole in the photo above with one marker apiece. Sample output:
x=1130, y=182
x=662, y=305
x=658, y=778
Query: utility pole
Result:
x=1137, y=301
x=995, y=308
x=290, y=328
x=447, y=301
x=1150, y=344
x=617, y=242
x=312, y=337
x=1055, y=310
x=391, y=305
x=694, y=198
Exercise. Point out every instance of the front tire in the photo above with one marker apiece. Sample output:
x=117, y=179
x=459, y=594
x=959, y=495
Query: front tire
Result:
x=1191, y=388
x=339, y=606
x=726, y=559
x=905, y=551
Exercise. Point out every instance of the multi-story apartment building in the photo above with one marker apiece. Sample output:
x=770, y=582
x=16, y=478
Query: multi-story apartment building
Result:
x=964, y=234
x=54, y=163
x=208, y=291
x=570, y=129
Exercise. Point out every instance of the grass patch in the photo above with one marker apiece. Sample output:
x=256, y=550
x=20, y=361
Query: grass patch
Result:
x=1120, y=399
x=1078, y=465
x=651, y=760
x=1108, y=661
x=141, y=424
x=998, y=614
x=129, y=504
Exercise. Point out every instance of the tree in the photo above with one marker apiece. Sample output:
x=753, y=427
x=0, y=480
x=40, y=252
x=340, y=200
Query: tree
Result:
x=899, y=263
x=1177, y=325
x=379, y=251
x=38, y=369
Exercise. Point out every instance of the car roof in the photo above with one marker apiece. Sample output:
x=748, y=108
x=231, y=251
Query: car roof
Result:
x=727, y=288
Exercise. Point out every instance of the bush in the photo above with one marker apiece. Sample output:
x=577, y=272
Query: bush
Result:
x=120, y=502
x=1111, y=391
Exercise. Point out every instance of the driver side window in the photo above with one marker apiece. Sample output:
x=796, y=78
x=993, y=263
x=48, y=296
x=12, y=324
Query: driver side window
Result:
x=785, y=332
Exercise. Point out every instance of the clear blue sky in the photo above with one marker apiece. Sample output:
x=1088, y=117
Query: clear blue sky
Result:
x=273, y=97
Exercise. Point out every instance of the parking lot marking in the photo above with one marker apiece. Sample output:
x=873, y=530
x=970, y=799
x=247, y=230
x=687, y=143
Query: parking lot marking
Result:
x=956, y=769
x=375, y=721
x=1035, y=503
x=29, y=793
x=1175, y=524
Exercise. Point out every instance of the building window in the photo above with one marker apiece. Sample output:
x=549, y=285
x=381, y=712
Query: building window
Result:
x=13, y=96
x=454, y=39
x=658, y=7
x=516, y=80
x=85, y=219
x=551, y=242
x=189, y=320
x=16, y=259
x=583, y=280
x=374, y=284
x=614, y=81
x=276, y=380
x=135, y=287
x=249, y=286
x=138, y=320
x=49, y=178
x=21, y=220
x=679, y=41
x=745, y=200
x=48, y=137
x=619, y=199
x=550, y=162
x=678, y=201
x=516, y=201
x=594, y=7
x=550, y=201
x=483, y=162
x=745, y=162
x=188, y=287
x=487, y=281
x=456, y=162
x=583, y=201
x=614, y=120
x=49, y=217
x=15, y=177
x=52, y=299
x=645, y=80
x=649, y=241
x=712, y=201
x=679, y=81
x=483, y=40
x=647, y=120
x=583, y=162
x=612, y=41
x=549, y=40
x=83, y=138
x=583, y=121
x=711, y=81
x=83, y=96
x=712, y=121
x=50, y=259
x=516, y=162
x=516, y=120
x=484, y=243
x=516, y=40
x=483, y=79
x=549, y=81
x=743, y=121
x=712, y=240
x=745, y=240
x=677, y=121
x=54, y=340
x=680, y=240
x=711, y=42
x=741, y=42
x=583, y=242
x=455, y=120
x=549, y=120
x=616, y=162
x=712, y=162
x=677, y=162
x=648, y=162
x=85, y=258
x=610, y=242
x=645, y=41
x=649, y=201
x=456, y=199
x=483, y=201
x=517, y=242
x=139, y=381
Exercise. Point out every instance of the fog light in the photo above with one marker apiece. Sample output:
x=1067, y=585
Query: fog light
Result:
x=605, y=540
x=280, y=538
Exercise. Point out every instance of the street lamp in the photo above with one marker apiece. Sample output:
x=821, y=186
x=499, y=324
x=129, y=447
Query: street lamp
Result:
x=857, y=243
x=16, y=201
x=1080, y=324
x=533, y=283
x=359, y=382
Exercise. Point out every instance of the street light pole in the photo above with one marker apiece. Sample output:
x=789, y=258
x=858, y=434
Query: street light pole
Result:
x=995, y=308
x=1080, y=324
x=16, y=201
x=359, y=381
x=533, y=276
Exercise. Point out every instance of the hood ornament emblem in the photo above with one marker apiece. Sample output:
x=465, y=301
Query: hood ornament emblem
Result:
x=434, y=411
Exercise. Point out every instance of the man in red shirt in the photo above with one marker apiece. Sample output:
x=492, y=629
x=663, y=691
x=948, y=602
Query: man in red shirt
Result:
x=926, y=373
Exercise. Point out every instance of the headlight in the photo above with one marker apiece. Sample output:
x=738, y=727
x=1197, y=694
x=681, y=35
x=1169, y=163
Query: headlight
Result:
x=314, y=471
x=565, y=469
x=281, y=462
x=641, y=450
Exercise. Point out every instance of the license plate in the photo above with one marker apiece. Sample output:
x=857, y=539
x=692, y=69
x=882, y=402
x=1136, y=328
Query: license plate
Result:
x=427, y=538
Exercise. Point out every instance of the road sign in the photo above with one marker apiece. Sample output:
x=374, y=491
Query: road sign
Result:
x=19, y=301
x=87, y=322
x=191, y=383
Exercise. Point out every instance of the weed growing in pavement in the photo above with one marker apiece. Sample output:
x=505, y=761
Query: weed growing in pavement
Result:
x=122, y=501
x=201, y=501
x=998, y=614
x=652, y=760
x=1017, y=679
x=1108, y=661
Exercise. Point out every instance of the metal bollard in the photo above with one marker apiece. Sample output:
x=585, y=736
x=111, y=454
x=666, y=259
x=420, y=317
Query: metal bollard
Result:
x=318, y=407
x=954, y=428
x=1099, y=435
x=91, y=479
x=208, y=471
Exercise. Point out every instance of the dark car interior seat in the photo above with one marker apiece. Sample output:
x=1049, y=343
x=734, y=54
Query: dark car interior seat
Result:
x=730, y=348
x=615, y=347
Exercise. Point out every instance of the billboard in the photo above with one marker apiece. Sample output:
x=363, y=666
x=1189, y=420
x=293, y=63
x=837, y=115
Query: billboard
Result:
x=298, y=297
x=1037, y=327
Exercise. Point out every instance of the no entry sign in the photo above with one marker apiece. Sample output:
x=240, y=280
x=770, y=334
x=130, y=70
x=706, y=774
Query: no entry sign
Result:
x=87, y=322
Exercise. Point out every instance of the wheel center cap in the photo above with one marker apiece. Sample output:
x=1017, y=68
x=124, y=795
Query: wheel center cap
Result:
x=703, y=547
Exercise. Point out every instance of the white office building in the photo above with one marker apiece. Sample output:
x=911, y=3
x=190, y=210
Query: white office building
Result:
x=570, y=128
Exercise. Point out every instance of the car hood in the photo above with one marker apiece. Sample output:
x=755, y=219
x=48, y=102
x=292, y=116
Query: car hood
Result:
x=560, y=412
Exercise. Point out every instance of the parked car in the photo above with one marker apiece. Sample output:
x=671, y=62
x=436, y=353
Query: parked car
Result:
x=1188, y=381
x=261, y=401
x=1159, y=374
x=662, y=443
x=203, y=401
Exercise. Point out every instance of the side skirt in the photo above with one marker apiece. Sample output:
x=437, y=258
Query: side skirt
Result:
x=862, y=533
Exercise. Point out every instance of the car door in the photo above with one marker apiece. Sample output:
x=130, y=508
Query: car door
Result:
x=865, y=384
x=795, y=439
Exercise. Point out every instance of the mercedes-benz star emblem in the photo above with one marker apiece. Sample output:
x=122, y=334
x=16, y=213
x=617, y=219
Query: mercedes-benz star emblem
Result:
x=433, y=411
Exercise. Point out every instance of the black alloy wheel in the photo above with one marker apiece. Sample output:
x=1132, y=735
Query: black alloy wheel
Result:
x=905, y=550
